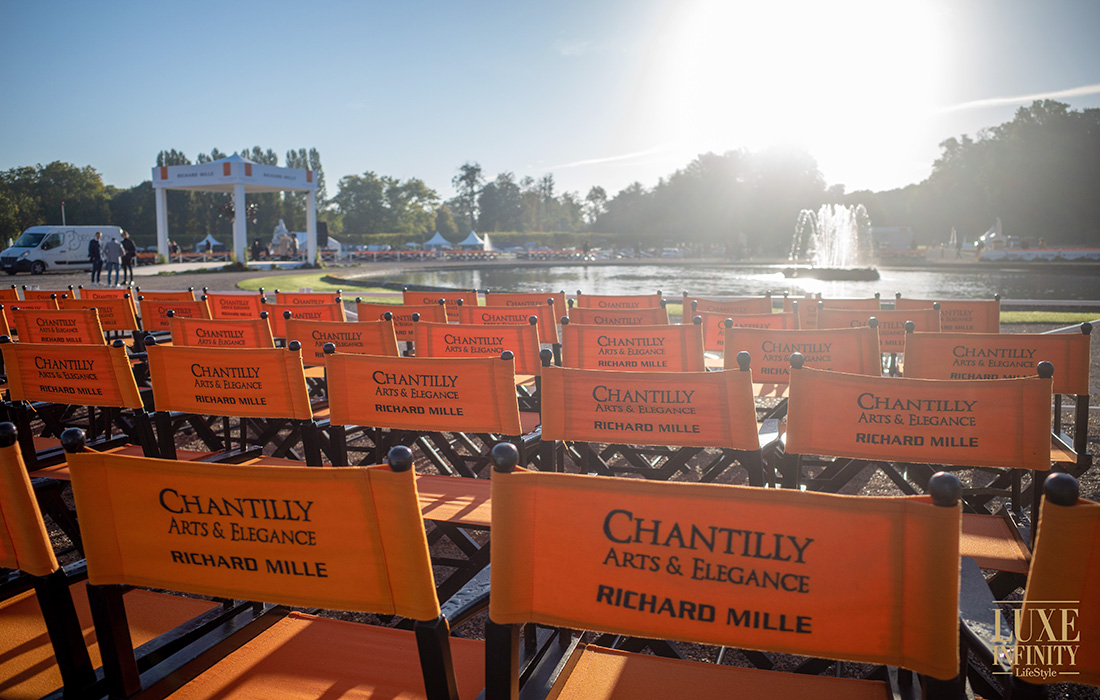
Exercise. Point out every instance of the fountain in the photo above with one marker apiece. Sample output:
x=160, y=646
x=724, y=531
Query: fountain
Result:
x=835, y=241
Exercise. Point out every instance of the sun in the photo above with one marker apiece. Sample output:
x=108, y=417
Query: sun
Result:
x=842, y=79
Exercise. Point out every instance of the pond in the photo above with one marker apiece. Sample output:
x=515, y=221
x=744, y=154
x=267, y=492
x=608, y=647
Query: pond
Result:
x=966, y=282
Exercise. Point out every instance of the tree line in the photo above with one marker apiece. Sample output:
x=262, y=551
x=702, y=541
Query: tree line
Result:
x=1037, y=173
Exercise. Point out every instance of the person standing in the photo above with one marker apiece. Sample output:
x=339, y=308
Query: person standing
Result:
x=112, y=252
x=95, y=254
x=129, y=254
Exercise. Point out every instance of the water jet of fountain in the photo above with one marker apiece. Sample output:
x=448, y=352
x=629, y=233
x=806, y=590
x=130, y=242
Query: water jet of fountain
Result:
x=835, y=239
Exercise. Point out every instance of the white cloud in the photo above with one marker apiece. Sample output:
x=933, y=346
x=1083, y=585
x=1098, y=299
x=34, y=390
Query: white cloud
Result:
x=613, y=159
x=1082, y=91
x=573, y=47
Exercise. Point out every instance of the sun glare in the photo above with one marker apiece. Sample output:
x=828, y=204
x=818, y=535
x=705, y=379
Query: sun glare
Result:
x=843, y=79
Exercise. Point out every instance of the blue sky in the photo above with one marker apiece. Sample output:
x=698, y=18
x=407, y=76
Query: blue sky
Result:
x=597, y=93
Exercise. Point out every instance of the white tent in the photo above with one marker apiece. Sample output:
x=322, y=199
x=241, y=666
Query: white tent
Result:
x=472, y=241
x=200, y=247
x=438, y=241
x=239, y=176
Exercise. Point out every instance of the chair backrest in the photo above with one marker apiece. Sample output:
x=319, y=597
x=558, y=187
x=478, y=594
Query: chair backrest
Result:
x=984, y=423
x=154, y=313
x=960, y=316
x=891, y=324
x=24, y=541
x=251, y=382
x=235, y=305
x=467, y=394
x=620, y=302
x=76, y=326
x=412, y=297
x=305, y=298
x=664, y=348
x=1060, y=607
x=808, y=307
x=645, y=316
x=684, y=409
x=34, y=294
x=500, y=315
x=730, y=306
x=363, y=338
x=278, y=313
x=866, y=579
x=402, y=315
x=221, y=333
x=714, y=325
x=9, y=294
x=548, y=327
x=160, y=295
x=116, y=313
x=40, y=304
x=852, y=350
x=457, y=340
x=82, y=375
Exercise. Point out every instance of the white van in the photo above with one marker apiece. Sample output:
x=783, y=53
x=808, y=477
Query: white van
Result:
x=42, y=248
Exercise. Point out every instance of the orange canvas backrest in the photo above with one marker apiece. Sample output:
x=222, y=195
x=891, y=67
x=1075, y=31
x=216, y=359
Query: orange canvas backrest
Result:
x=475, y=394
x=985, y=423
x=891, y=324
x=617, y=301
x=259, y=383
x=34, y=294
x=77, y=326
x=730, y=306
x=348, y=537
x=457, y=340
x=450, y=299
x=685, y=409
x=734, y=566
x=807, y=307
x=24, y=542
x=851, y=350
x=714, y=325
x=231, y=305
x=154, y=313
x=649, y=316
x=159, y=295
x=1000, y=356
x=276, y=314
x=402, y=315
x=1060, y=605
x=115, y=313
x=36, y=304
x=514, y=299
x=305, y=298
x=500, y=315
x=363, y=338
x=665, y=348
x=960, y=316
x=9, y=294
x=81, y=375
x=221, y=333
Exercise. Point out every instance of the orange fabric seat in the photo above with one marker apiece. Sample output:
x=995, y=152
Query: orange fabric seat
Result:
x=993, y=543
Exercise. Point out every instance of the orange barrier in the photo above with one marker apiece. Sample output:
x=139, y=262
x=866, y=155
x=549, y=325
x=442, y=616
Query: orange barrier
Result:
x=618, y=301
x=730, y=306
x=514, y=315
x=115, y=313
x=363, y=338
x=700, y=409
x=468, y=394
x=83, y=375
x=159, y=295
x=957, y=316
x=402, y=316
x=75, y=326
x=668, y=348
x=807, y=307
x=456, y=340
x=154, y=313
x=851, y=350
x=649, y=316
x=995, y=423
x=221, y=333
x=714, y=325
x=305, y=298
x=891, y=324
x=451, y=299
x=230, y=305
x=866, y=579
x=276, y=314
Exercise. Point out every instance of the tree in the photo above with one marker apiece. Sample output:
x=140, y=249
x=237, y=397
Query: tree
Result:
x=595, y=204
x=412, y=206
x=501, y=204
x=468, y=183
x=444, y=221
x=362, y=201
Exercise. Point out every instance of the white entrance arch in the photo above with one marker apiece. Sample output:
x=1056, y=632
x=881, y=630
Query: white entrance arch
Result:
x=239, y=176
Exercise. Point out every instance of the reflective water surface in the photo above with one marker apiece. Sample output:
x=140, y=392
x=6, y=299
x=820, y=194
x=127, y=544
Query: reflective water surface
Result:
x=1076, y=282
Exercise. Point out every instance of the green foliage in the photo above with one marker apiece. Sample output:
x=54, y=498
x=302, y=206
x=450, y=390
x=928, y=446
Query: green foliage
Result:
x=32, y=196
x=371, y=204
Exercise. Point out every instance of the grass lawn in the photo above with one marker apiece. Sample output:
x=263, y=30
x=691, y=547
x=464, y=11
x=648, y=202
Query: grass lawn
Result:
x=312, y=280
